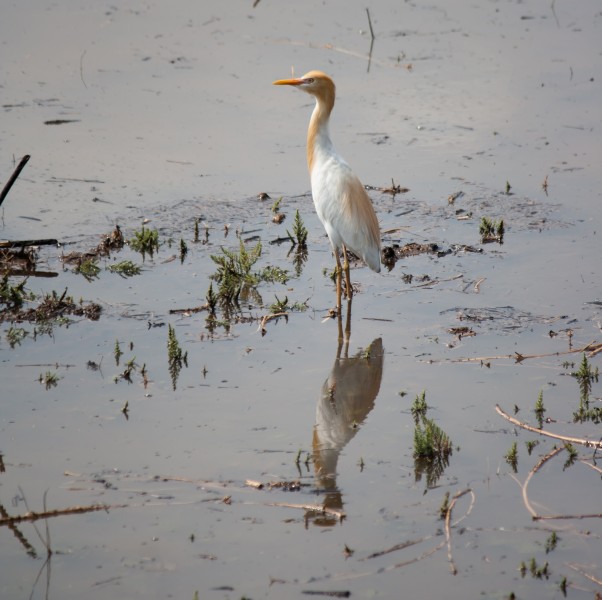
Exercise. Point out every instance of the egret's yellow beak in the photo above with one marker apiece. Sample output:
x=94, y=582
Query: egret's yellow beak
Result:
x=288, y=82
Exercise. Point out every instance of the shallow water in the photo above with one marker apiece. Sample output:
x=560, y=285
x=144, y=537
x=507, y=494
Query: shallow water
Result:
x=176, y=120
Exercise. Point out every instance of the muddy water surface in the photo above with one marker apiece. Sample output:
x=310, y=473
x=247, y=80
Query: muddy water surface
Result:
x=172, y=119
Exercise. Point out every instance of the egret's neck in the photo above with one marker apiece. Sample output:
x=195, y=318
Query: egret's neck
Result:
x=318, y=137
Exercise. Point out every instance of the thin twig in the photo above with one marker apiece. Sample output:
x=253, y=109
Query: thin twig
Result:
x=316, y=508
x=73, y=510
x=13, y=177
x=579, y=570
x=564, y=438
x=371, y=41
x=81, y=68
x=532, y=472
x=557, y=517
x=457, y=496
x=425, y=554
x=397, y=547
x=267, y=318
x=370, y=24
x=17, y=533
x=589, y=464
x=592, y=349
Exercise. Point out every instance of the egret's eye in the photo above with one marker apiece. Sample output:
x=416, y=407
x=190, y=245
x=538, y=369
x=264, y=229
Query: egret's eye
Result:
x=309, y=80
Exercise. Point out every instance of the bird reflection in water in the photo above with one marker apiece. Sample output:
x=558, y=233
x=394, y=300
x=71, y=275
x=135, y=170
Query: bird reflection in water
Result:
x=348, y=395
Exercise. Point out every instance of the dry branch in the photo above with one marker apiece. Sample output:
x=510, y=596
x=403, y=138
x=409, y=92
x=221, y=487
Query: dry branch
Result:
x=564, y=438
x=316, y=508
x=534, y=470
x=266, y=318
x=448, y=513
x=579, y=570
x=22, y=243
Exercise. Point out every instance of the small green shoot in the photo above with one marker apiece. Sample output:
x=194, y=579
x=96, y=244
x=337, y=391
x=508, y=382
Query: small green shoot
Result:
x=196, y=231
x=573, y=455
x=299, y=237
x=530, y=445
x=145, y=241
x=175, y=357
x=117, y=352
x=538, y=572
x=211, y=299
x=539, y=409
x=49, y=379
x=15, y=335
x=586, y=376
x=299, y=243
x=276, y=206
x=419, y=408
x=183, y=250
x=511, y=457
x=563, y=585
x=551, y=542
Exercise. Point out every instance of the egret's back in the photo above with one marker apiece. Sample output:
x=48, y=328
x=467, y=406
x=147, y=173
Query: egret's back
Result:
x=345, y=209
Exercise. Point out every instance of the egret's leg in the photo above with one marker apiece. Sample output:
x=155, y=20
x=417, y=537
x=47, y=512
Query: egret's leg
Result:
x=348, y=287
x=347, y=325
x=339, y=271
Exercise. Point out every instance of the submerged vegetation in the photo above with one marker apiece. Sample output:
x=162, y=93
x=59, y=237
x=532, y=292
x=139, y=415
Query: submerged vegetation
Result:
x=235, y=278
x=51, y=307
x=145, y=241
x=432, y=446
x=491, y=231
x=125, y=268
x=176, y=358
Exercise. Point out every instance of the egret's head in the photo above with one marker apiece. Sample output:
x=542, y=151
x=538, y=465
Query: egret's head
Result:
x=316, y=83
